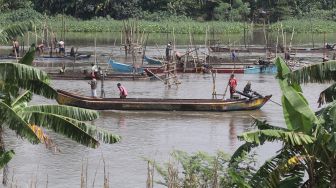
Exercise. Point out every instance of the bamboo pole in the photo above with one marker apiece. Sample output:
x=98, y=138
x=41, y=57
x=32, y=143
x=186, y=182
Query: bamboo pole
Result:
x=277, y=43
x=28, y=42
x=290, y=42
x=35, y=35
x=214, y=94
x=324, y=45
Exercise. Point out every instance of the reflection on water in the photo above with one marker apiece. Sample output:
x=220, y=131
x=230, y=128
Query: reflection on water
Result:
x=152, y=134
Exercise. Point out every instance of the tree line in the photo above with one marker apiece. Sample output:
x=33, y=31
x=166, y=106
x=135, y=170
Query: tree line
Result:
x=203, y=10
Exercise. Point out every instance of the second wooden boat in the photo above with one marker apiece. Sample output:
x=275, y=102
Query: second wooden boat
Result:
x=152, y=61
x=122, y=67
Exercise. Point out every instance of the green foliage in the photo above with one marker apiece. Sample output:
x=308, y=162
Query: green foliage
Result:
x=16, y=113
x=19, y=15
x=309, y=144
x=298, y=115
x=5, y=157
x=203, y=170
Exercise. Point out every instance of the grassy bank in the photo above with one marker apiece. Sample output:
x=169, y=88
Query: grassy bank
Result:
x=186, y=26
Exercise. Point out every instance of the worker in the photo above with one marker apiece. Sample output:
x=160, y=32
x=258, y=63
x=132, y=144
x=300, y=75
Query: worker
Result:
x=40, y=49
x=94, y=70
x=123, y=91
x=168, y=50
x=233, y=56
x=16, y=47
x=232, y=84
x=61, y=47
x=247, y=88
x=93, y=84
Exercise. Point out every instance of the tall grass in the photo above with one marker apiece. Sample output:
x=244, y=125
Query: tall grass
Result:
x=167, y=26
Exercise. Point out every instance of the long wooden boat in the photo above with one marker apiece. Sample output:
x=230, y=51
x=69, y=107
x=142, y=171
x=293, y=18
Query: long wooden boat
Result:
x=240, y=50
x=71, y=99
x=152, y=61
x=263, y=50
x=122, y=67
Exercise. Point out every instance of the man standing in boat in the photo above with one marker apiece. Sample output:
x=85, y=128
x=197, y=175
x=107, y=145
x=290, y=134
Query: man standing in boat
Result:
x=93, y=84
x=123, y=91
x=232, y=85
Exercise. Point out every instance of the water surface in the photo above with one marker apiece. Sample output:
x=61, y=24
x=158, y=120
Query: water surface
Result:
x=151, y=134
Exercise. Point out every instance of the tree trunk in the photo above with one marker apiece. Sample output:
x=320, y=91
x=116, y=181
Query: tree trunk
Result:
x=2, y=150
x=333, y=173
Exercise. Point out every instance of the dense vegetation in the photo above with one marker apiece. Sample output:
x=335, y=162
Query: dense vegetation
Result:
x=160, y=16
x=229, y=10
x=226, y=10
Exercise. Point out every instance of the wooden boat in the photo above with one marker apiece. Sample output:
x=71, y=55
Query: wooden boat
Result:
x=240, y=50
x=88, y=76
x=121, y=67
x=263, y=50
x=152, y=61
x=159, y=70
x=71, y=99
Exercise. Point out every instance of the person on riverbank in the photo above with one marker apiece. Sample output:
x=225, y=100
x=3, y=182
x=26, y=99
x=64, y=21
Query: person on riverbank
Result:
x=93, y=84
x=16, y=47
x=123, y=92
x=61, y=47
x=232, y=84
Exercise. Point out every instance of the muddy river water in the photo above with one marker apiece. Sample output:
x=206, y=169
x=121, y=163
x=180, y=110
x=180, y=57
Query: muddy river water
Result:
x=150, y=134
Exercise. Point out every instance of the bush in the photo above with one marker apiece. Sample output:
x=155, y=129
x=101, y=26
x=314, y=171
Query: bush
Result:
x=19, y=15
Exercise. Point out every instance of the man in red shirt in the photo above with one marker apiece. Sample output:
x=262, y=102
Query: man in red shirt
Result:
x=233, y=85
x=123, y=91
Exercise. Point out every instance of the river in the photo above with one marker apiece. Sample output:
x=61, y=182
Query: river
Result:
x=150, y=134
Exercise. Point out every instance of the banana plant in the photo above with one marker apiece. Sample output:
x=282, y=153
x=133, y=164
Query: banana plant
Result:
x=18, y=83
x=309, y=139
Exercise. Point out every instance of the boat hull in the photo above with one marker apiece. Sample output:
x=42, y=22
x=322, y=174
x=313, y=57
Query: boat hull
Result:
x=152, y=61
x=121, y=67
x=66, y=98
x=260, y=69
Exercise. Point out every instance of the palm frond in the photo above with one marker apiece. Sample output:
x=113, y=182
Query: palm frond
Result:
x=28, y=58
x=12, y=72
x=289, y=137
x=276, y=171
x=18, y=124
x=38, y=87
x=79, y=131
x=262, y=125
x=14, y=30
x=80, y=114
x=327, y=95
x=24, y=98
x=283, y=69
x=297, y=113
x=248, y=146
x=26, y=77
x=5, y=157
x=317, y=73
x=242, y=151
